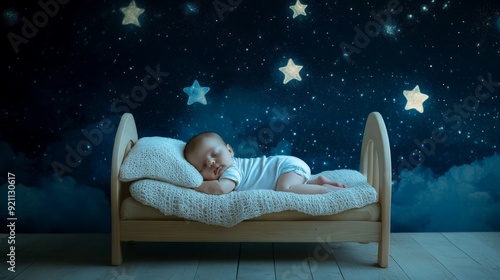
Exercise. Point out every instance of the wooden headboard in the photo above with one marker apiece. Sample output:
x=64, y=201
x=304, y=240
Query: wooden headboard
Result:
x=125, y=139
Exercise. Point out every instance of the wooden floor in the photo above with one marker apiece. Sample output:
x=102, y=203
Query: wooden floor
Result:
x=413, y=256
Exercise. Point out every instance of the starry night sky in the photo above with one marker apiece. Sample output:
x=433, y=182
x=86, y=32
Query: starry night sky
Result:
x=78, y=73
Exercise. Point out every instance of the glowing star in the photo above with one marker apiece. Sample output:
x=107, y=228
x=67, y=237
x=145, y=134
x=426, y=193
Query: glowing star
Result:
x=291, y=71
x=415, y=99
x=196, y=93
x=131, y=13
x=298, y=9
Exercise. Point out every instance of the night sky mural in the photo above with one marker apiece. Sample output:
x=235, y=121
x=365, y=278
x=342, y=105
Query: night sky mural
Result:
x=272, y=77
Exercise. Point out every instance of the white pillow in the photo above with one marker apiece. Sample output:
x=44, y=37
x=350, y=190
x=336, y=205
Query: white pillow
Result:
x=160, y=159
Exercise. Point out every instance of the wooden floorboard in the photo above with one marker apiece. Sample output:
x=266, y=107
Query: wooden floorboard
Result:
x=476, y=249
x=67, y=257
x=160, y=260
x=424, y=256
x=322, y=262
x=290, y=261
x=461, y=265
x=29, y=248
x=256, y=261
x=492, y=239
x=359, y=261
x=219, y=261
x=415, y=260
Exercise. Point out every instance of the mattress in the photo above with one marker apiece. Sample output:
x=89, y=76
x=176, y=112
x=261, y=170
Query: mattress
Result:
x=131, y=209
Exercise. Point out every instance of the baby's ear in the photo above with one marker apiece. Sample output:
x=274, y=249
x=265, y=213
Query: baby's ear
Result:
x=230, y=149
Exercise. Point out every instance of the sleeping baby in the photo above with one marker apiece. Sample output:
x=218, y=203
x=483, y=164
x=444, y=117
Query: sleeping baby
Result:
x=223, y=173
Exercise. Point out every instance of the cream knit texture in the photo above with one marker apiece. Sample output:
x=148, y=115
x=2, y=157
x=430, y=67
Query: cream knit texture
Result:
x=230, y=209
x=161, y=159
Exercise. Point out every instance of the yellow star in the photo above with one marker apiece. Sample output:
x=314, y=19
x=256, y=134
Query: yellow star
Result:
x=298, y=9
x=415, y=99
x=131, y=14
x=291, y=71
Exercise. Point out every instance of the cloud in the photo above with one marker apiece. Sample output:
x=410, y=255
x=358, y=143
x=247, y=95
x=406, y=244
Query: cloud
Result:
x=55, y=206
x=465, y=198
x=45, y=204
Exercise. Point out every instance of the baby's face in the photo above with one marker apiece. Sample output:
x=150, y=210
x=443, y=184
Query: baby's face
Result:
x=211, y=158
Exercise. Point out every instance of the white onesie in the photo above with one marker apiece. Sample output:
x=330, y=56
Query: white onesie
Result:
x=263, y=172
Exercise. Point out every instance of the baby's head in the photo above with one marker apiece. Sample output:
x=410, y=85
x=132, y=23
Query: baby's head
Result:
x=209, y=154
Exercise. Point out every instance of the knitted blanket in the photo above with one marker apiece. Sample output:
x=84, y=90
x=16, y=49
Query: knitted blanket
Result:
x=230, y=209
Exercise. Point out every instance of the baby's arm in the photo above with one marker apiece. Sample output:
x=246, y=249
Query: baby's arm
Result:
x=221, y=186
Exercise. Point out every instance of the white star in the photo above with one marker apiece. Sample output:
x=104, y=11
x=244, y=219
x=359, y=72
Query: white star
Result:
x=291, y=71
x=196, y=93
x=131, y=13
x=298, y=9
x=415, y=99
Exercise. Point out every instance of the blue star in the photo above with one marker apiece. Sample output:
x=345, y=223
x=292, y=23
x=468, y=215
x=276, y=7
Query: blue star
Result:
x=196, y=93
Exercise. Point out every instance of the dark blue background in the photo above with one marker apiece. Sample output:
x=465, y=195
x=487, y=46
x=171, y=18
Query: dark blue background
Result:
x=71, y=76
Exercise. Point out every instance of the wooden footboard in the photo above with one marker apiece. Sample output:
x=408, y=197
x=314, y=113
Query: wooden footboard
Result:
x=375, y=164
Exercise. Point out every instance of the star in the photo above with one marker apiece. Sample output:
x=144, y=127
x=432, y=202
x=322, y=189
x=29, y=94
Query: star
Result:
x=291, y=71
x=131, y=14
x=196, y=93
x=415, y=99
x=298, y=9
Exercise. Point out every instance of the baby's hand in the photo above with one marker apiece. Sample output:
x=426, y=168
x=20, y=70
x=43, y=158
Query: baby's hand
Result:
x=322, y=180
x=222, y=186
x=337, y=184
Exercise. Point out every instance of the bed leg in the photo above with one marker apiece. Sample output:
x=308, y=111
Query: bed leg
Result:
x=383, y=250
x=116, y=252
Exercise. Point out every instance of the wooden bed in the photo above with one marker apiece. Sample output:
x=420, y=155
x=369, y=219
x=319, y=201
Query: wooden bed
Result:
x=368, y=224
